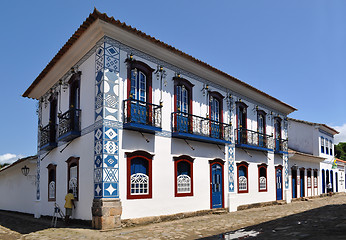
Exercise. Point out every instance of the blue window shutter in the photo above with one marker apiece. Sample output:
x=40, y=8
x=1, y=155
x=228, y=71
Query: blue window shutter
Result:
x=139, y=165
x=183, y=168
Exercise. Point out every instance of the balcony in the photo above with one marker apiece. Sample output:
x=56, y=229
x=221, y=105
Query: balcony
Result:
x=281, y=145
x=142, y=116
x=69, y=125
x=246, y=138
x=47, y=137
x=188, y=126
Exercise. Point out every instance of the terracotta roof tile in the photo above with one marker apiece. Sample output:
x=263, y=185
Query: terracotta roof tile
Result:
x=97, y=15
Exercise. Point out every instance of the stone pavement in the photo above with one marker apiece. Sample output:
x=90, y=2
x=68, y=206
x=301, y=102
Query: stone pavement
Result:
x=318, y=218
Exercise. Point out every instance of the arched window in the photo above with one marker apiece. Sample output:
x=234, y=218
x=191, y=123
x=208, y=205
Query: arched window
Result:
x=74, y=83
x=262, y=177
x=139, y=176
x=183, y=172
x=73, y=176
x=309, y=183
x=51, y=182
x=242, y=177
x=261, y=128
x=139, y=81
x=322, y=144
x=182, y=105
x=241, y=123
x=216, y=114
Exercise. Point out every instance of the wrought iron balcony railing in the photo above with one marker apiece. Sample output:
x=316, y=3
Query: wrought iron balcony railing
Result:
x=248, y=138
x=281, y=145
x=188, y=126
x=48, y=137
x=69, y=125
x=142, y=116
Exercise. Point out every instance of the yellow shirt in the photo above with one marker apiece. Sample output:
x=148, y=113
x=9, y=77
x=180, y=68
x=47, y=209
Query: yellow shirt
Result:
x=68, y=200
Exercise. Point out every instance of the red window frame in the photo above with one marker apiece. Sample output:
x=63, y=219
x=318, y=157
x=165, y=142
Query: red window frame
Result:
x=70, y=161
x=148, y=157
x=189, y=160
x=308, y=175
x=51, y=167
x=220, y=98
x=315, y=173
x=147, y=70
x=178, y=81
x=262, y=166
x=263, y=114
x=246, y=165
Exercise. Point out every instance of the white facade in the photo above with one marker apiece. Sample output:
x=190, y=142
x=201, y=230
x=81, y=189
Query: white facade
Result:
x=17, y=190
x=110, y=152
x=312, y=152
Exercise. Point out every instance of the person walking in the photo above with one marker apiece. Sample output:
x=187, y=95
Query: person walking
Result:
x=329, y=189
x=69, y=203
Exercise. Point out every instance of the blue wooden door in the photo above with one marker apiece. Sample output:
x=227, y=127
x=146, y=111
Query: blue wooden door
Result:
x=302, y=186
x=323, y=182
x=278, y=184
x=294, y=183
x=336, y=182
x=216, y=186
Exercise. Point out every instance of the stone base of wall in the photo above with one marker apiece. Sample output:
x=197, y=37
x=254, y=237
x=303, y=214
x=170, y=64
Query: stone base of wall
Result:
x=262, y=204
x=106, y=213
x=163, y=218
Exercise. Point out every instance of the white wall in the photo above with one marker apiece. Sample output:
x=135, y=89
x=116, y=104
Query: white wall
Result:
x=301, y=137
x=18, y=192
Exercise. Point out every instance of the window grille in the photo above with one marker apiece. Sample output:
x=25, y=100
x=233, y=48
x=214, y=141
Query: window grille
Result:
x=309, y=182
x=315, y=182
x=139, y=184
x=184, y=183
x=263, y=183
x=51, y=190
x=72, y=184
x=242, y=183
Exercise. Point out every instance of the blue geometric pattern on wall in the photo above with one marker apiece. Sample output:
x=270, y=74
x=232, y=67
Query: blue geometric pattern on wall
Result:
x=231, y=161
x=38, y=194
x=106, y=148
x=285, y=159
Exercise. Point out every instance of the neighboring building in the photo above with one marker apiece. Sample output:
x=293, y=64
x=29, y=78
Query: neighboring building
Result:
x=138, y=128
x=311, y=158
x=340, y=165
x=17, y=185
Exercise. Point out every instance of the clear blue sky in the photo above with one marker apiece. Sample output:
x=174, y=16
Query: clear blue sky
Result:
x=293, y=50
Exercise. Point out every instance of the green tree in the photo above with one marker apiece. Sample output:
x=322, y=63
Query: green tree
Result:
x=340, y=150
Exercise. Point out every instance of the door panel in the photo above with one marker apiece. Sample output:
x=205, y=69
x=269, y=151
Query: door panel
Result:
x=216, y=186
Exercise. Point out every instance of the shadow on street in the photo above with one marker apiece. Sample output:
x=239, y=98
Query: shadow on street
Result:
x=327, y=222
x=26, y=223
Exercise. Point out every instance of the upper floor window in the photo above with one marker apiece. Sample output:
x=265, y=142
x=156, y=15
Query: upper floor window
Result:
x=331, y=147
x=261, y=122
x=241, y=115
x=74, y=83
x=73, y=175
x=182, y=95
x=242, y=177
x=277, y=128
x=51, y=182
x=262, y=177
x=183, y=171
x=139, y=81
x=326, y=142
x=215, y=106
x=322, y=144
x=139, y=177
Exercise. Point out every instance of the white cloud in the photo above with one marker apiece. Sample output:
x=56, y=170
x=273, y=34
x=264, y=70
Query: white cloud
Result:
x=9, y=158
x=341, y=137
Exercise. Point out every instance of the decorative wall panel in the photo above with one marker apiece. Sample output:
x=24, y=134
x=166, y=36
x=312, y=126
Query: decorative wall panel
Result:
x=106, y=148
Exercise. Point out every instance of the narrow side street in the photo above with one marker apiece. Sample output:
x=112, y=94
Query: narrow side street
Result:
x=319, y=218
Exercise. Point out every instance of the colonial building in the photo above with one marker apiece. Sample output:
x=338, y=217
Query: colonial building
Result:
x=138, y=128
x=18, y=184
x=311, y=158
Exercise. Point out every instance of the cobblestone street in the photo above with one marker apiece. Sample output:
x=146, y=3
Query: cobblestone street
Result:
x=318, y=218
